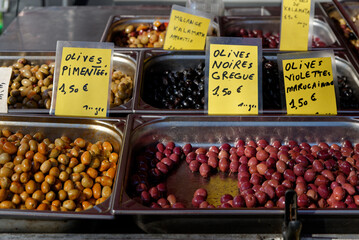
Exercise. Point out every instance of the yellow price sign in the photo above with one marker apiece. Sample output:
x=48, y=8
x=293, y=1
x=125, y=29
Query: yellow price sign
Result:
x=295, y=25
x=232, y=79
x=186, y=31
x=309, y=86
x=83, y=82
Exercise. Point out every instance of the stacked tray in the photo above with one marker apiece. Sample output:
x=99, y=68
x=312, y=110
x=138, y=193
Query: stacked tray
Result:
x=110, y=130
x=145, y=120
x=125, y=61
x=145, y=131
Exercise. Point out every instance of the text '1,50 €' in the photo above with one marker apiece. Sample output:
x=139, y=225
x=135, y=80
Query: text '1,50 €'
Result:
x=232, y=79
x=83, y=82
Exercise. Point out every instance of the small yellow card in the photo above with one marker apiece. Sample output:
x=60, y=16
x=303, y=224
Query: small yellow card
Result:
x=295, y=25
x=186, y=31
x=83, y=83
x=233, y=79
x=309, y=86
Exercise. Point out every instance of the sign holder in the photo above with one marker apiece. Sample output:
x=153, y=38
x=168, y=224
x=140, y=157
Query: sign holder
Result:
x=233, y=76
x=82, y=79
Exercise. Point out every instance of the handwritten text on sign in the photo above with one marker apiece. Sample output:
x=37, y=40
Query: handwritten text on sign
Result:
x=295, y=25
x=186, y=31
x=233, y=79
x=83, y=83
x=5, y=76
x=309, y=86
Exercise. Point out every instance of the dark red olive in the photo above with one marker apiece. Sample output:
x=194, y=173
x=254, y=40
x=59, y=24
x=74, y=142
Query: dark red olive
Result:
x=251, y=200
x=226, y=147
x=167, y=152
x=194, y=166
x=226, y=197
x=214, y=149
x=270, y=162
x=202, y=158
x=318, y=166
x=187, y=148
x=280, y=190
x=204, y=204
x=277, y=144
x=233, y=166
x=309, y=175
x=204, y=170
x=162, y=202
x=145, y=197
x=240, y=151
x=159, y=155
x=299, y=169
x=190, y=157
x=175, y=158
x=281, y=202
x=344, y=167
x=321, y=180
x=170, y=145
x=303, y=200
x=162, y=167
x=223, y=165
x=155, y=205
x=347, y=143
x=213, y=162
x=269, y=204
x=249, y=151
x=256, y=179
x=243, y=160
x=262, y=143
x=177, y=151
x=269, y=173
x=330, y=164
x=200, y=192
x=301, y=188
x=239, y=202
x=233, y=157
x=277, y=176
x=225, y=205
x=287, y=184
x=197, y=200
x=167, y=162
x=304, y=146
x=161, y=187
x=160, y=147
x=262, y=155
x=154, y=193
x=178, y=205
x=239, y=143
x=323, y=191
x=269, y=190
x=256, y=188
x=245, y=186
x=261, y=197
x=289, y=175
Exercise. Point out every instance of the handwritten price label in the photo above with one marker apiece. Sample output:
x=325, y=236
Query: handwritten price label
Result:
x=309, y=86
x=186, y=31
x=83, y=81
x=295, y=25
x=5, y=76
x=233, y=79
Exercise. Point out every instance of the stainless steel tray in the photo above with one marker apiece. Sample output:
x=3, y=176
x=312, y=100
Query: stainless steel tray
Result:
x=204, y=131
x=160, y=61
x=119, y=23
x=126, y=61
x=112, y=130
x=321, y=29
